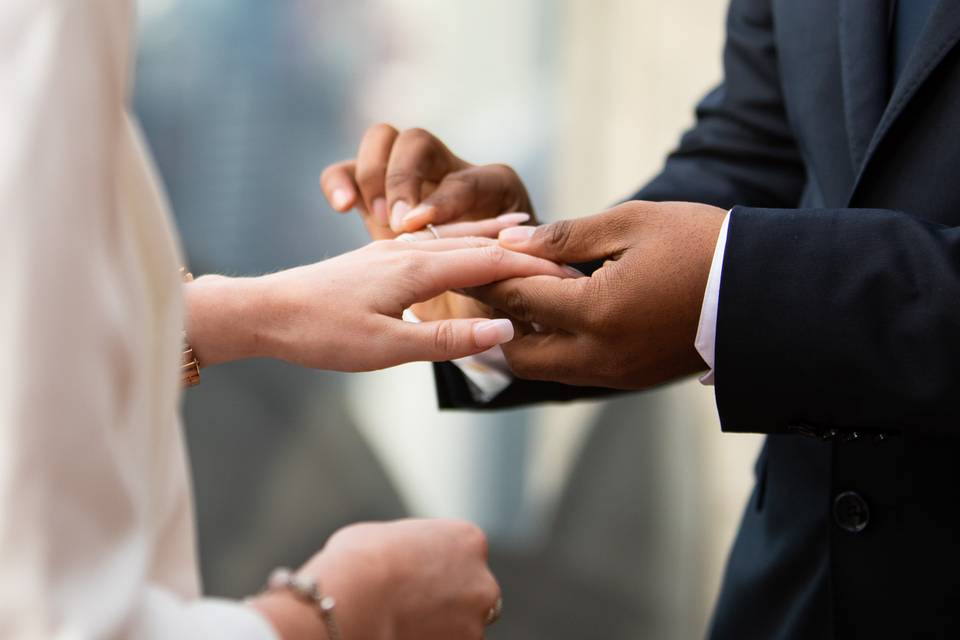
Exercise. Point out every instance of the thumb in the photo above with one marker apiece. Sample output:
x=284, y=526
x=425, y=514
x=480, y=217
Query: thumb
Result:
x=570, y=241
x=450, y=339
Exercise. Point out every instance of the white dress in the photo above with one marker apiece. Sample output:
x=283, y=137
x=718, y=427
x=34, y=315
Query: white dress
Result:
x=96, y=522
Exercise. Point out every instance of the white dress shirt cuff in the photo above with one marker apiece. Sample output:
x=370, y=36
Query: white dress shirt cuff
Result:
x=487, y=373
x=706, y=340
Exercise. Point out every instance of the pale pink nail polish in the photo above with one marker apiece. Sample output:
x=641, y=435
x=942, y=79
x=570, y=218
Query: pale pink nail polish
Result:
x=516, y=235
x=574, y=273
x=514, y=218
x=400, y=209
x=341, y=198
x=492, y=332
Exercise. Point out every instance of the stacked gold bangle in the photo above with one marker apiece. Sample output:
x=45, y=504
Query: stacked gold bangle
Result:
x=189, y=364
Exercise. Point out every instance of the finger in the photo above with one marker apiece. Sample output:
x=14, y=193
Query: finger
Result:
x=446, y=339
x=461, y=268
x=546, y=301
x=372, y=160
x=551, y=357
x=578, y=240
x=339, y=185
x=482, y=191
x=489, y=228
x=417, y=157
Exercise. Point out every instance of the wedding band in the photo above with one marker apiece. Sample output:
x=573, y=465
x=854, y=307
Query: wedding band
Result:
x=495, y=611
x=433, y=230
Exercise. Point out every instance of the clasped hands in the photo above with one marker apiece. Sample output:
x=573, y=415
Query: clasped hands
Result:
x=631, y=324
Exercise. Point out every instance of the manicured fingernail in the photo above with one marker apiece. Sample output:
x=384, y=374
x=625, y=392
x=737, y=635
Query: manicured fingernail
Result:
x=574, y=273
x=341, y=198
x=492, y=332
x=400, y=209
x=516, y=235
x=420, y=216
x=380, y=216
x=514, y=218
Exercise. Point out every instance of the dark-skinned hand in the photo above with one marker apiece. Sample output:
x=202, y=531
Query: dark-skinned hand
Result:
x=403, y=181
x=633, y=322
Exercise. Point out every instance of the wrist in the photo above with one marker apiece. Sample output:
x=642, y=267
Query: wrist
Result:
x=291, y=618
x=225, y=319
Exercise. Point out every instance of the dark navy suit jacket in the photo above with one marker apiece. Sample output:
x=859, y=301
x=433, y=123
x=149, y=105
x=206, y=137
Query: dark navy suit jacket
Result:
x=838, y=329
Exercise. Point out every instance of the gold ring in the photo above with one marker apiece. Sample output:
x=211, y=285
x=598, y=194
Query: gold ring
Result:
x=495, y=612
x=433, y=230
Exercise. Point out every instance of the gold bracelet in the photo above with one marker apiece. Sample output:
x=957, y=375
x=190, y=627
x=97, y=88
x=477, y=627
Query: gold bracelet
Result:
x=189, y=363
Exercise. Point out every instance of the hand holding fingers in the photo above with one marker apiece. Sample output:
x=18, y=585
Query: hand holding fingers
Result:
x=473, y=191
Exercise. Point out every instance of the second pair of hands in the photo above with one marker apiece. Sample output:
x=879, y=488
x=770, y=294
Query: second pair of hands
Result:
x=630, y=325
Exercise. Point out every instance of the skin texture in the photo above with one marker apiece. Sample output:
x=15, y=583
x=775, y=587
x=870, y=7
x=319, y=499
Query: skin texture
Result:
x=344, y=314
x=632, y=324
x=405, y=580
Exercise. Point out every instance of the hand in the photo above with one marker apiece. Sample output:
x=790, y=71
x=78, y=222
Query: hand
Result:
x=406, y=580
x=403, y=181
x=345, y=313
x=632, y=324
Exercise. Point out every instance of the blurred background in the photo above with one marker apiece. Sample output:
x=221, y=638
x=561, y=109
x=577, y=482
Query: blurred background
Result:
x=607, y=520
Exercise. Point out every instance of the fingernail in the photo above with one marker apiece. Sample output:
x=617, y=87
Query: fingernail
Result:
x=574, y=273
x=516, y=235
x=380, y=212
x=341, y=198
x=514, y=218
x=400, y=209
x=492, y=332
x=417, y=218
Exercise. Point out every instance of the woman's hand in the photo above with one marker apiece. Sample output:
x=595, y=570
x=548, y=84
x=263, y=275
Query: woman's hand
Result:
x=406, y=580
x=345, y=313
x=403, y=181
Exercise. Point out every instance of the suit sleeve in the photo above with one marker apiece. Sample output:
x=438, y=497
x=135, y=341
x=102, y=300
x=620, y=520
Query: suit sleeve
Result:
x=854, y=326
x=740, y=151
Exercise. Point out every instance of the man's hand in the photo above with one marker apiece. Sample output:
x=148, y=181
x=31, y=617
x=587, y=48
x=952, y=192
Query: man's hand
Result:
x=403, y=181
x=633, y=323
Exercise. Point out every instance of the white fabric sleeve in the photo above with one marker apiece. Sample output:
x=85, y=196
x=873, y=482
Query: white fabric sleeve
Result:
x=707, y=330
x=487, y=373
x=86, y=484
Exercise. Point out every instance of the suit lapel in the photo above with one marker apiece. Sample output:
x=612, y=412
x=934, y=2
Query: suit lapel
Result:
x=864, y=39
x=939, y=37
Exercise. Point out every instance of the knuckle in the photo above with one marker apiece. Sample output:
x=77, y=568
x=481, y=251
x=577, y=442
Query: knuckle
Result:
x=381, y=128
x=417, y=135
x=370, y=175
x=445, y=337
x=493, y=253
x=556, y=235
x=517, y=305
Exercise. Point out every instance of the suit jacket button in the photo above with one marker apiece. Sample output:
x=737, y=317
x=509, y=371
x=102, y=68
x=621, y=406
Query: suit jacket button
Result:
x=850, y=512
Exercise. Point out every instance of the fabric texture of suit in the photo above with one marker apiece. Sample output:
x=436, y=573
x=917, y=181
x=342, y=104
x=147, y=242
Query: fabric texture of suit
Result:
x=838, y=329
